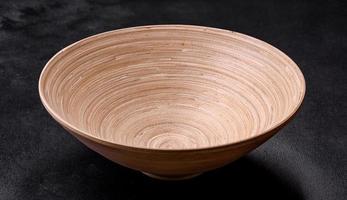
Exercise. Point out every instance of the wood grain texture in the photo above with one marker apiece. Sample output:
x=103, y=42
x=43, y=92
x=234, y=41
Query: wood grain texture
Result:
x=171, y=100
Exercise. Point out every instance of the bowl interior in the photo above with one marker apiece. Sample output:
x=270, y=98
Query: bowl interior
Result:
x=171, y=87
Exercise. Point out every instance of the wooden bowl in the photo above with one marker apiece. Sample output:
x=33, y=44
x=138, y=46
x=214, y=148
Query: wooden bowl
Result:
x=172, y=101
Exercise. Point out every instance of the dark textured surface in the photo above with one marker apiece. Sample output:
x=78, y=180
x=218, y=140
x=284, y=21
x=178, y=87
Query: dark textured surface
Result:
x=306, y=160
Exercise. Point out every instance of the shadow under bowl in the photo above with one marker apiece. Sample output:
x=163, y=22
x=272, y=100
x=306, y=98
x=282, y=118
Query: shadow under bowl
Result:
x=171, y=101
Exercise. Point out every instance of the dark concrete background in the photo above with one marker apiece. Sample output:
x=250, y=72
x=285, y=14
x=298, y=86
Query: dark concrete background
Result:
x=306, y=160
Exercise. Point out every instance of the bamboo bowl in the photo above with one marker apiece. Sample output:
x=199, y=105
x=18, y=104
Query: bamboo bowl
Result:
x=172, y=101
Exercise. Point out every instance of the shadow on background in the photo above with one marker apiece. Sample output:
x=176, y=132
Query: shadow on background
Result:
x=93, y=177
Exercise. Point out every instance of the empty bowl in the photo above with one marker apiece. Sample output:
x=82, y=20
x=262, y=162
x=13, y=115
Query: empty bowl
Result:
x=172, y=101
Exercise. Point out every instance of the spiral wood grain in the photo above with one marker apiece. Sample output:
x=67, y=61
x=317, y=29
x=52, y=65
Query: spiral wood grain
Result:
x=171, y=87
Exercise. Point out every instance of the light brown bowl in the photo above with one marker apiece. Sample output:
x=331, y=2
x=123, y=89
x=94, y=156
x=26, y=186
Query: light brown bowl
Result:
x=171, y=101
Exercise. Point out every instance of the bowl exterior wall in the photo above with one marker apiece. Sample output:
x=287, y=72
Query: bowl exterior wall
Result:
x=174, y=162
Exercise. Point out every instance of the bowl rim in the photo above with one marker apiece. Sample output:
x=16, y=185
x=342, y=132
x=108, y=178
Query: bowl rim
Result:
x=68, y=126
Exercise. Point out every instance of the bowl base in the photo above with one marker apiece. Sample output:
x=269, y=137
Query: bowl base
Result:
x=172, y=178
